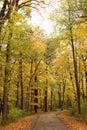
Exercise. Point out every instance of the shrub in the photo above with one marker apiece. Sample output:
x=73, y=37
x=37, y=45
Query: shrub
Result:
x=73, y=110
x=84, y=108
x=15, y=114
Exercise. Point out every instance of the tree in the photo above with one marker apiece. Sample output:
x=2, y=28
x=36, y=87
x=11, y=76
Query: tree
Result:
x=9, y=36
x=8, y=7
x=7, y=10
x=50, y=54
x=6, y=78
x=71, y=15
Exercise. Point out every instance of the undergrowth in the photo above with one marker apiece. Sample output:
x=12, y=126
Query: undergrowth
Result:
x=14, y=115
x=83, y=115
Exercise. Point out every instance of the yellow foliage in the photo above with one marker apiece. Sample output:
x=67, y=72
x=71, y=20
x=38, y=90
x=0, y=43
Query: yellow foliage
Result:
x=38, y=45
x=81, y=31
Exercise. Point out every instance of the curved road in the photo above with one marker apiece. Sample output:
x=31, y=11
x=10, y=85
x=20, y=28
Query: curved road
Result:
x=49, y=121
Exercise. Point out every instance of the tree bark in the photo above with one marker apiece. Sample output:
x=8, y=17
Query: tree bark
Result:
x=45, y=98
x=36, y=99
x=74, y=61
x=51, y=103
x=59, y=103
x=21, y=82
x=6, y=85
x=64, y=84
x=76, y=74
x=85, y=70
x=17, y=95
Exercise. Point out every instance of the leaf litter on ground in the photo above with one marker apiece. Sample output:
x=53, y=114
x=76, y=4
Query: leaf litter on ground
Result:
x=72, y=122
x=26, y=123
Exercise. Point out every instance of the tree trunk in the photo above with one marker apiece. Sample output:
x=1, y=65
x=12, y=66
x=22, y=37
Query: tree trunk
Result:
x=51, y=104
x=36, y=99
x=17, y=95
x=21, y=81
x=1, y=60
x=85, y=76
x=64, y=84
x=86, y=83
x=1, y=75
x=30, y=85
x=74, y=59
x=45, y=98
x=59, y=103
x=6, y=85
x=76, y=74
x=71, y=78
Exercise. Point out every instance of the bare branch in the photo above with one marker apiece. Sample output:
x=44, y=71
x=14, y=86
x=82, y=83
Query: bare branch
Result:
x=28, y=3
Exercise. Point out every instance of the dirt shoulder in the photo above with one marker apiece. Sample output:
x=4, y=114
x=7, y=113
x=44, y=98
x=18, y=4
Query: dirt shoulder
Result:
x=71, y=122
x=25, y=123
x=39, y=121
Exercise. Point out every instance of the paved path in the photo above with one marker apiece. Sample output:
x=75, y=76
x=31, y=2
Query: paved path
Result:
x=49, y=121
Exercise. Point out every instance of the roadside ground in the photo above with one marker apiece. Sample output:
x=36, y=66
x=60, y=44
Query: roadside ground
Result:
x=26, y=123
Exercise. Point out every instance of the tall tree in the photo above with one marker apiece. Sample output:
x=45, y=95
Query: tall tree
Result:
x=68, y=24
x=6, y=80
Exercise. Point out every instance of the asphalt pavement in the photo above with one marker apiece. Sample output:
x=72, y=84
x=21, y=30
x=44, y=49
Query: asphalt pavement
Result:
x=49, y=121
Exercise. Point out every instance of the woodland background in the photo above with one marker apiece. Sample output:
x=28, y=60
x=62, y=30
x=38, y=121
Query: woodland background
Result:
x=40, y=73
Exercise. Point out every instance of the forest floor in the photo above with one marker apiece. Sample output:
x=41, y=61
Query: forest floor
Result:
x=72, y=122
x=26, y=123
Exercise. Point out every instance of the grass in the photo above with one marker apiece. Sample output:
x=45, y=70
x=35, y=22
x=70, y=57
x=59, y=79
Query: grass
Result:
x=14, y=115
